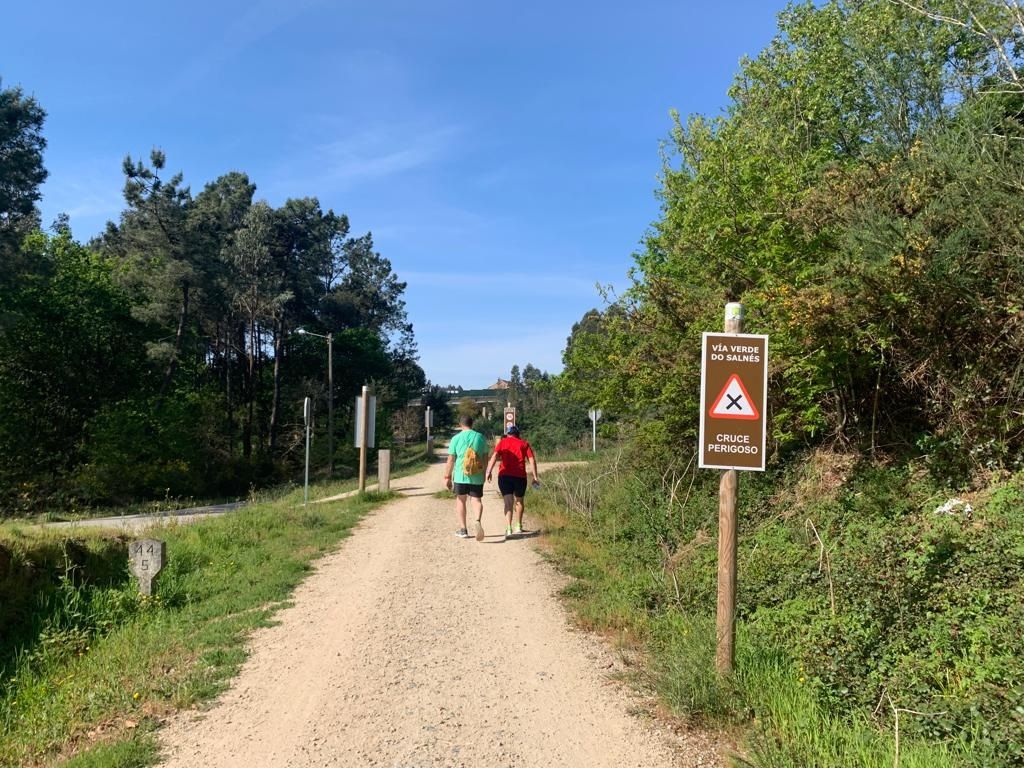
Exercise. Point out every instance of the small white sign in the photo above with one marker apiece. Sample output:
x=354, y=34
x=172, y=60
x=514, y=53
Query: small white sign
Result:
x=372, y=429
x=146, y=558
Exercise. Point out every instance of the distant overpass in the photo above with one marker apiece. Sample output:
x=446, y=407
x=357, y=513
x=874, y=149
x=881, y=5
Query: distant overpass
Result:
x=497, y=397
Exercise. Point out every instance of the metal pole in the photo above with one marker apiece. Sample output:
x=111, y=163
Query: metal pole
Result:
x=364, y=434
x=305, y=497
x=728, y=492
x=593, y=425
x=330, y=405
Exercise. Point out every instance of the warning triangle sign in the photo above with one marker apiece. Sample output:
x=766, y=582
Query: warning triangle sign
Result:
x=733, y=402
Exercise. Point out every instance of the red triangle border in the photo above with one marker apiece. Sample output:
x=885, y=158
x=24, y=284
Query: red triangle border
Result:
x=751, y=417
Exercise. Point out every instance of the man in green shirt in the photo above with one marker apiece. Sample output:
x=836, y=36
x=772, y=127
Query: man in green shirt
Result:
x=464, y=474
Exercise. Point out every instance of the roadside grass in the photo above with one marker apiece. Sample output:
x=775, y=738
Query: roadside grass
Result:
x=572, y=454
x=771, y=698
x=405, y=461
x=102, y=665
x=811, y=687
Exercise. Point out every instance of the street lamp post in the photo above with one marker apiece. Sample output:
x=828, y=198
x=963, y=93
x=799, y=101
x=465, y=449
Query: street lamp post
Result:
x=330, y=395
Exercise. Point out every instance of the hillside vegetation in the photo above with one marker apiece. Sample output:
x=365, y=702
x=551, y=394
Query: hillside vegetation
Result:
x=862, y=196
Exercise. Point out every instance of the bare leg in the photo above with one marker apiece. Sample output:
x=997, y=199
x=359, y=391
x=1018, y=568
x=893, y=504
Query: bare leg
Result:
x=519, y=511
x=460, y=510
x=508, y=509
x=478, y=508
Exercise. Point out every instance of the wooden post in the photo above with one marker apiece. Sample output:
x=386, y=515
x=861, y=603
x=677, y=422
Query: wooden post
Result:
x=728, y=490
x=364, y=437
x=384, y=470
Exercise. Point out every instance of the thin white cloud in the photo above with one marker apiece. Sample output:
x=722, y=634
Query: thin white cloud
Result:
x=93, y=206
x=383, y=153
x=516, y=283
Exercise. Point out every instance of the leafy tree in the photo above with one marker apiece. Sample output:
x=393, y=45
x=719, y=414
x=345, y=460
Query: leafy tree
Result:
x=436, y=397
x=368, y=293
x=408, y=424
x=468, y=407
x=154, y=239
x=829, y=199
x=217, y=214
x=532, y=376
x=72, y=348
x=21, y=174
x=259, y=292
x=550, y=416
x=515, y=385
x=211, y=289
x=592, y=356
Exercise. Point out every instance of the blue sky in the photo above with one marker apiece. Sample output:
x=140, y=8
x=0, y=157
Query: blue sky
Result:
x=505, y=157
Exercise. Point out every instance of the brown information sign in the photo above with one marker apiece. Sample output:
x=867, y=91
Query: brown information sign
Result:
x=734, y=388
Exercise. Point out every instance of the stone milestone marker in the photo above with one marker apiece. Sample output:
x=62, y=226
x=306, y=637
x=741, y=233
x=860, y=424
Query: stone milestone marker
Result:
x=146, y=558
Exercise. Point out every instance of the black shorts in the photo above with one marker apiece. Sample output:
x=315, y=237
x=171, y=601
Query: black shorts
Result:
x=512, y=486
x=468, y=489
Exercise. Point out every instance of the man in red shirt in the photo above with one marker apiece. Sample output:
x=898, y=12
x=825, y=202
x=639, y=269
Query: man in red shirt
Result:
x=512, y=452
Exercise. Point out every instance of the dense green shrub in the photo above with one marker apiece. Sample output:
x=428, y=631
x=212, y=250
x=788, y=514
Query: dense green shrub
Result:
x=55, y=594
x=861, y=596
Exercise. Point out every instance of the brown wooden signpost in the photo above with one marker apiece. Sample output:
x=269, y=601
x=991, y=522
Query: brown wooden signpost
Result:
x=734, y=381
x=734, y=389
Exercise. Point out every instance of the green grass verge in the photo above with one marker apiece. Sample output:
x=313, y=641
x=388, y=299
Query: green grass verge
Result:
x=404, y=462
x=104, y=663
x=911, y=618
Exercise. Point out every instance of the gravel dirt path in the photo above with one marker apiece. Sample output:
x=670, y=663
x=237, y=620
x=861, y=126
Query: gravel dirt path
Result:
x=411, y=647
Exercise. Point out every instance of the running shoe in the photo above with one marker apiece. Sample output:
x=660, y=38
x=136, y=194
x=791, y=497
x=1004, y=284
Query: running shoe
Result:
x=462, y=533
x=518, y=530
x=479, y=531
x=508, y=531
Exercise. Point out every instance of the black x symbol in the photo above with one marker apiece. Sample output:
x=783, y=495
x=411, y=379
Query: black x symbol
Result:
x=734, y=401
